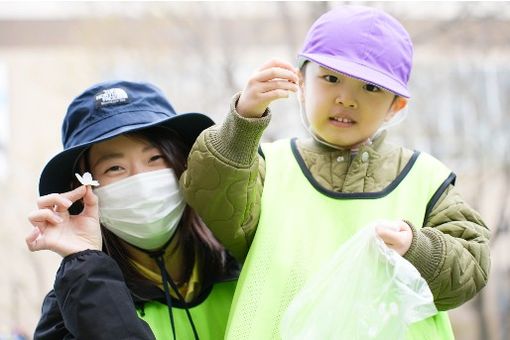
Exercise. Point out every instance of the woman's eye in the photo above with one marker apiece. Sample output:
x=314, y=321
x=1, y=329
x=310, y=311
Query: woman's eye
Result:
x=113, y=169
x=156, y=158
x=372, y=88
x=331, y=79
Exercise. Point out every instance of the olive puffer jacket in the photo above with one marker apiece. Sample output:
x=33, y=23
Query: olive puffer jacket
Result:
x=225, y=179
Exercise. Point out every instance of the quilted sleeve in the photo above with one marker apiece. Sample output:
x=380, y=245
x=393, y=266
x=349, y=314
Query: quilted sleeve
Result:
x=224, y=179
x=451, y=251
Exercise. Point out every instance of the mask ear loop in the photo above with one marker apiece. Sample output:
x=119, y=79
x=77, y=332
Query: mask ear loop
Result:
x=395, y=120
x=306, y=123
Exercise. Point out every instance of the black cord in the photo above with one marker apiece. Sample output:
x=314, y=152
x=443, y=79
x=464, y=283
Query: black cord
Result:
x=164, y=274
x=188, y=314
x=167, y=280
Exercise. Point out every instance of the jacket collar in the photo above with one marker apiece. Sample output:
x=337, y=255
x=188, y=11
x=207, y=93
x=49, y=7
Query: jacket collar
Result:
x=311, y=144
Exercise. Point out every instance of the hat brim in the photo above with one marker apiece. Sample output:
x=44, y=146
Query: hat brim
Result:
x=358, y=71
x=58, y=175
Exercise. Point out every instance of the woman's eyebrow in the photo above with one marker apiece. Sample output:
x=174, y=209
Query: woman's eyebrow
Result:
x=149, y=148
x=117, y=155
x=106, y=157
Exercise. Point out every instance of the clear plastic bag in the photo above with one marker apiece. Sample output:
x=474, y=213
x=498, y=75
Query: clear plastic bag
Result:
x=366, y=291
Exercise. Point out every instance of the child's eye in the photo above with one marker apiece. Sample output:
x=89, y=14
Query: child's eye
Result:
x=372, y=88
x=331, y=79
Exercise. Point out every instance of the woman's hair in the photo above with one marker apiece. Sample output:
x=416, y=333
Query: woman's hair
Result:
x=193, y=236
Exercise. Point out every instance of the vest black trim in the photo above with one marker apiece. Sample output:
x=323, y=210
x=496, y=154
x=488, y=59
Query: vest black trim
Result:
x=153, y=293
x=261, y=152
x=176, y=303
x=450, y=180
x=352, y=195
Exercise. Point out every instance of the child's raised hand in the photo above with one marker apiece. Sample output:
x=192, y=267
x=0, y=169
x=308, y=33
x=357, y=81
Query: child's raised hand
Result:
x=274, y=80
x=57, y=230
x=398, y=236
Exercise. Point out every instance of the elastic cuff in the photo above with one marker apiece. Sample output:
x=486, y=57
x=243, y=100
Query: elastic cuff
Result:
x=426, y=252
x=73, y=264
x=238, y=138
x=70, y=257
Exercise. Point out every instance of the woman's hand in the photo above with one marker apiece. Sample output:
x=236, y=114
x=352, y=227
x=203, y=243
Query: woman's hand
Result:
x=274, y=80
x=397, y=236
x=57, y=230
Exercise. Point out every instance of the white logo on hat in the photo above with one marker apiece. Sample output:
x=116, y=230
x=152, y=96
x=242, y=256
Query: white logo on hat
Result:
x=111, y=96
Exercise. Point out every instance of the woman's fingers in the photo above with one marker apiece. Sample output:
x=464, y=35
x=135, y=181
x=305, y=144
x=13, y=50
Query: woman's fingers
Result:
x=56, y=230
x=42, y=216
x=35, y=241
x=31, y=239
x=53, y=201
x=61, y=202
x=75, y=194
x=90, y=203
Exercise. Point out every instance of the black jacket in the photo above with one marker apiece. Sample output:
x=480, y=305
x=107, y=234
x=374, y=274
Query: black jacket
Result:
x=83, y=281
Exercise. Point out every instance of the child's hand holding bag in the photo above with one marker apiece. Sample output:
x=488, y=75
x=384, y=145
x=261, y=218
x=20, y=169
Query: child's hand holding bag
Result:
x=366, y=291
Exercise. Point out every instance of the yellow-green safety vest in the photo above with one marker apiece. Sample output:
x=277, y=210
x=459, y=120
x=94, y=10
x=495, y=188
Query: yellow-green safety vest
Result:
x=209, y=316
x=302, y=225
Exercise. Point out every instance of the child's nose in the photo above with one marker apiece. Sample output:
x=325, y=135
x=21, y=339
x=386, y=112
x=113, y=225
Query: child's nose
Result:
x=347, y=99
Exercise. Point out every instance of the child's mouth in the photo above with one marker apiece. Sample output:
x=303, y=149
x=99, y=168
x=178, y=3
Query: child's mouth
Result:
x=342, y=121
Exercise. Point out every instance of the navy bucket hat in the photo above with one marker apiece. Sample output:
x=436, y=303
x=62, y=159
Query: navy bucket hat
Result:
x=107, y=110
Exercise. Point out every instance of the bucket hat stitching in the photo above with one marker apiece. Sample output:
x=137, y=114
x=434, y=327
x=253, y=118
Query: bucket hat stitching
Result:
x=97, y=121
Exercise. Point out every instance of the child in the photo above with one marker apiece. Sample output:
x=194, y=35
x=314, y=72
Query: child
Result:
x=289, y=209
x=162, y=274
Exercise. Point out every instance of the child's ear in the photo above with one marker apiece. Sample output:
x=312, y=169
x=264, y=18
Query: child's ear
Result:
x=399, y=103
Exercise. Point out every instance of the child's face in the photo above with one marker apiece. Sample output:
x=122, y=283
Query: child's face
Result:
x=121, y=157
x=345, y=111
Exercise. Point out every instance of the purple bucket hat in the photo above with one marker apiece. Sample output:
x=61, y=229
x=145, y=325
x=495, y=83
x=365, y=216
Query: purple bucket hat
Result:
x=364, y=43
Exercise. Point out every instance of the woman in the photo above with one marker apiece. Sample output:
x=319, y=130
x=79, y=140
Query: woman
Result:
x=137, y=260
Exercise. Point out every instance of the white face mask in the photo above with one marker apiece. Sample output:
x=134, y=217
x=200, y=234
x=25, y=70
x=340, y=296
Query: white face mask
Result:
x=143, y=210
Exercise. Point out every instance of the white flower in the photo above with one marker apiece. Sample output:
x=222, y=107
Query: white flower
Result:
x=87, y=179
